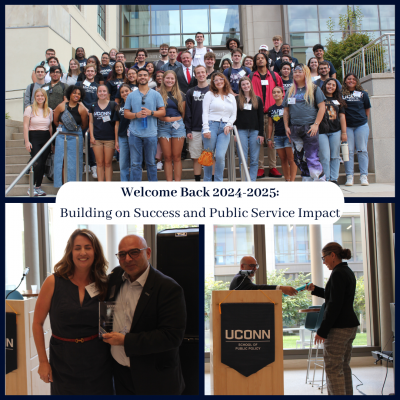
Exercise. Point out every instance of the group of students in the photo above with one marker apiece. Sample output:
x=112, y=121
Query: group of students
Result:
x=146, y=112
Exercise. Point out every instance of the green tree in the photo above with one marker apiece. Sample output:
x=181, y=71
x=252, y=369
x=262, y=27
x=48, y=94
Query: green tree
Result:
x=209, y=286
x=352, y=40
x=359, y=298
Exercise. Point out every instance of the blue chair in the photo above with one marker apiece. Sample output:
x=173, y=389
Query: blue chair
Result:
x=313, y=323
x=14, y=296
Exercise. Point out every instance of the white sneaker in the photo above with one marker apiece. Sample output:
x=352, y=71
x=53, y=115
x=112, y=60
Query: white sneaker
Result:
x=40, y=191
x=159, y=166
x=364, y=180
x=341, y=160
x=35, y=193
x=94, y=171
x=350, y=180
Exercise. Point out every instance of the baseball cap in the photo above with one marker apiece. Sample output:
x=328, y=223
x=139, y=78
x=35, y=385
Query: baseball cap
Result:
x=263, y=47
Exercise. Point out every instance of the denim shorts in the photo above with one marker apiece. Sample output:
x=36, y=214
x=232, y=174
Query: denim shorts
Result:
x=166, y=130
x=281, y=142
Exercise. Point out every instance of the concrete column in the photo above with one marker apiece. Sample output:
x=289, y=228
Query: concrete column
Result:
x=317, y=272
x=385, y=258
x=112, y=246
x=31, y=244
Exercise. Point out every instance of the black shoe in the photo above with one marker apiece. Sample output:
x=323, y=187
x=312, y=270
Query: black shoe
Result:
x=335, y=182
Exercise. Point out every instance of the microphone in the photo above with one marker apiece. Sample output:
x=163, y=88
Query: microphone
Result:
x=26, y=271
x=246, y=272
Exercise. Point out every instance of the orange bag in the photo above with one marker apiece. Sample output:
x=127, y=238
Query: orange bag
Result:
x=206, y=158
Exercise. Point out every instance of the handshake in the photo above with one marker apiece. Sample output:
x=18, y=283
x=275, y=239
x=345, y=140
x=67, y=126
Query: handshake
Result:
x=290, y=291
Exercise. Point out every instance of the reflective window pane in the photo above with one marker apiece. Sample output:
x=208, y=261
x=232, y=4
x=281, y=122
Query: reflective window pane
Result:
x=284, y=244
x=135, y=19
x=325, y=11
x=387, y=16
x=358, y=251
x=303, y=39
x=303, y=18
x=164, y=19
x=219, y=39
x=225, y=18
x=343, y=234
x=303, y=55
x=223, y=245
x=135, y=42
x=244, y=241
x=370, y=17
x=193, y=35
x=171, y=40
x=195, y=18
x=325, y=36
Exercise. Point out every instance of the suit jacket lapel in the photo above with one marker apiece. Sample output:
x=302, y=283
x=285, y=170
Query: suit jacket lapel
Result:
x=144, y=297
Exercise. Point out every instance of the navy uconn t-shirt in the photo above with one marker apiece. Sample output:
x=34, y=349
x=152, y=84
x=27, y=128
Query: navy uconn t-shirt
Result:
x=102, y=130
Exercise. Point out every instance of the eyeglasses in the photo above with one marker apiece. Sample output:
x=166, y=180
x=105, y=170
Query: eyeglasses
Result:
x=132, y=253
x=252, y=266
x=323, y=258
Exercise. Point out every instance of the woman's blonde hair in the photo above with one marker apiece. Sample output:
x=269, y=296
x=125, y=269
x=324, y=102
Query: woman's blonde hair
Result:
x=309, y=94
x=242, y=98
x=98, y=271
x=35, y=105
x=175, y=92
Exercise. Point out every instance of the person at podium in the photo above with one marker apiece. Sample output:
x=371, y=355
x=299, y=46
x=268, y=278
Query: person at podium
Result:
x=244, y=282
x=339, y=325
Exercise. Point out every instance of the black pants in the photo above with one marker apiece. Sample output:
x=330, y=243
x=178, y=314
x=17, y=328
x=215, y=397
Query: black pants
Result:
x=123, y=383
x=38, y=139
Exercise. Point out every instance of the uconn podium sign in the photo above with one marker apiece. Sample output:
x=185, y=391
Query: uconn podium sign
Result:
x=247, y=336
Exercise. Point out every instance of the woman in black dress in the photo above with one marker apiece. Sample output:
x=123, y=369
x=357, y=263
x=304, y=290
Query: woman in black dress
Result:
x=79, y=361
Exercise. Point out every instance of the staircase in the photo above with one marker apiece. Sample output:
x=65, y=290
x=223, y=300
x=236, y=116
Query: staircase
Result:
x=17, y=157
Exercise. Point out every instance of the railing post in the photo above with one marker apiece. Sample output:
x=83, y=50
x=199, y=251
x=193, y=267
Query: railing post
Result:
x=23, y=101
x=87, y=155
x=245, y=175
x=231, y=159
x=363, y=61
x=31, y=194
x=77, y=159
x=65, y=159
x=343, y=74
x=390, y=54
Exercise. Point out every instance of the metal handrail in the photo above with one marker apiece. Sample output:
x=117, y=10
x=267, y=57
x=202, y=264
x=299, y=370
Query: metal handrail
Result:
x=358, y=59
x=48, y=143
x=245, y=176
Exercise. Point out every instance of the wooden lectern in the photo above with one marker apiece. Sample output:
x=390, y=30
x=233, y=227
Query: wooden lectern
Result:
x=25, y=380
x=227, y=381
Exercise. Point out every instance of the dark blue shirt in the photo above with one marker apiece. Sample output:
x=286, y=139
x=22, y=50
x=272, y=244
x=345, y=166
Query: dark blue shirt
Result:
x=276, y=113
x=172, y=107
x=319, y=83
x=355, y=110
x=123, y=122
x=103, y=130
x=90, y=93
x=105, y=71
x=113, y=86
x=235, y=76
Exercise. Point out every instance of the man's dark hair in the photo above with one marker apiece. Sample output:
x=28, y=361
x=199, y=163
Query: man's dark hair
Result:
x=288, y=56
x=323, y=63
x=286, y=63
x=285, y=44
x=40, y=66
x=164, y=45
x=106, y=54
x=189, y=40
x=318, y=47
x=255, y=59
x=141, y=51
x=120, y=52
x=237, y=51
x=199, y=33
x=230, y=40
x=143, y=69
x=54, y=68
x=71, y=89
x=84, y=54
x=53, y=57
x=50, y=50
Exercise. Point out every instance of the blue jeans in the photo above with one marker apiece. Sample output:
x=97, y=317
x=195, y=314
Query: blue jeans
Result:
x=358, y=138
x=71, y=156
x=166, y=130
x=248, y=139
x=218, y=143
x=137, y=145
x=329, y=154
x=124, y=158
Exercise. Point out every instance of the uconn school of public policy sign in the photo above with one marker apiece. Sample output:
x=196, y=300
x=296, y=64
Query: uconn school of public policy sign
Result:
x=247, y=336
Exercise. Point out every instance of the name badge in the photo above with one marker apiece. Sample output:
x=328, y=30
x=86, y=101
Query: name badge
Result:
x=135, y=88
x=92, y=289
x=280, y=113
x=278, y=58
x=292, y=64
x=59, y=129
x=357, y=93
x=106, y=118
x=242, y=73
x=335, y=102
x=197, y=56
x=86, y=83
x=176, y=125
x=46, y=88
x=264, y=82
x=292, y=100
x=247, y=106
x=196, y=93
x=316, y=77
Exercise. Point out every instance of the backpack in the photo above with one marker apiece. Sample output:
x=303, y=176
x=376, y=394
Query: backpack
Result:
x=112, y=104
x=272, y=74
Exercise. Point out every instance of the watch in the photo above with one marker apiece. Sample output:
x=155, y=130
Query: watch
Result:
x=268, y=140
x=152, y=113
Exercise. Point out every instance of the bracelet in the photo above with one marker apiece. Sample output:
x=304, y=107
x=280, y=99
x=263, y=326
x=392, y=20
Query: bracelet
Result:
x=269, y=140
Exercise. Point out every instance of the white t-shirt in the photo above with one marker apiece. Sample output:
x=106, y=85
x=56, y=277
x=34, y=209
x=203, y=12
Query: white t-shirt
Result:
x=198, y=56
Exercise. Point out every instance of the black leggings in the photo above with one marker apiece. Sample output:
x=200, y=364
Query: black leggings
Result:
x=38, y=139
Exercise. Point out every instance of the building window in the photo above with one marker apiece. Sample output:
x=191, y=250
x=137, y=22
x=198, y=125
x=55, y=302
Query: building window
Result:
x=291, y=244
x=101, y=21
x=308, y=25
x=149, y=26
x=347, y=232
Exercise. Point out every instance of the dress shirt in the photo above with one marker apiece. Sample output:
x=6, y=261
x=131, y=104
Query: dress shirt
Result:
x=126, y=303
x=216, y=109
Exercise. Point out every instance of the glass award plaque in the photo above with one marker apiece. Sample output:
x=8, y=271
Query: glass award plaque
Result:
x=106, y=317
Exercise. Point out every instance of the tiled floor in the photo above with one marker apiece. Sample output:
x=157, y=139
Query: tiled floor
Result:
x=371, y=376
